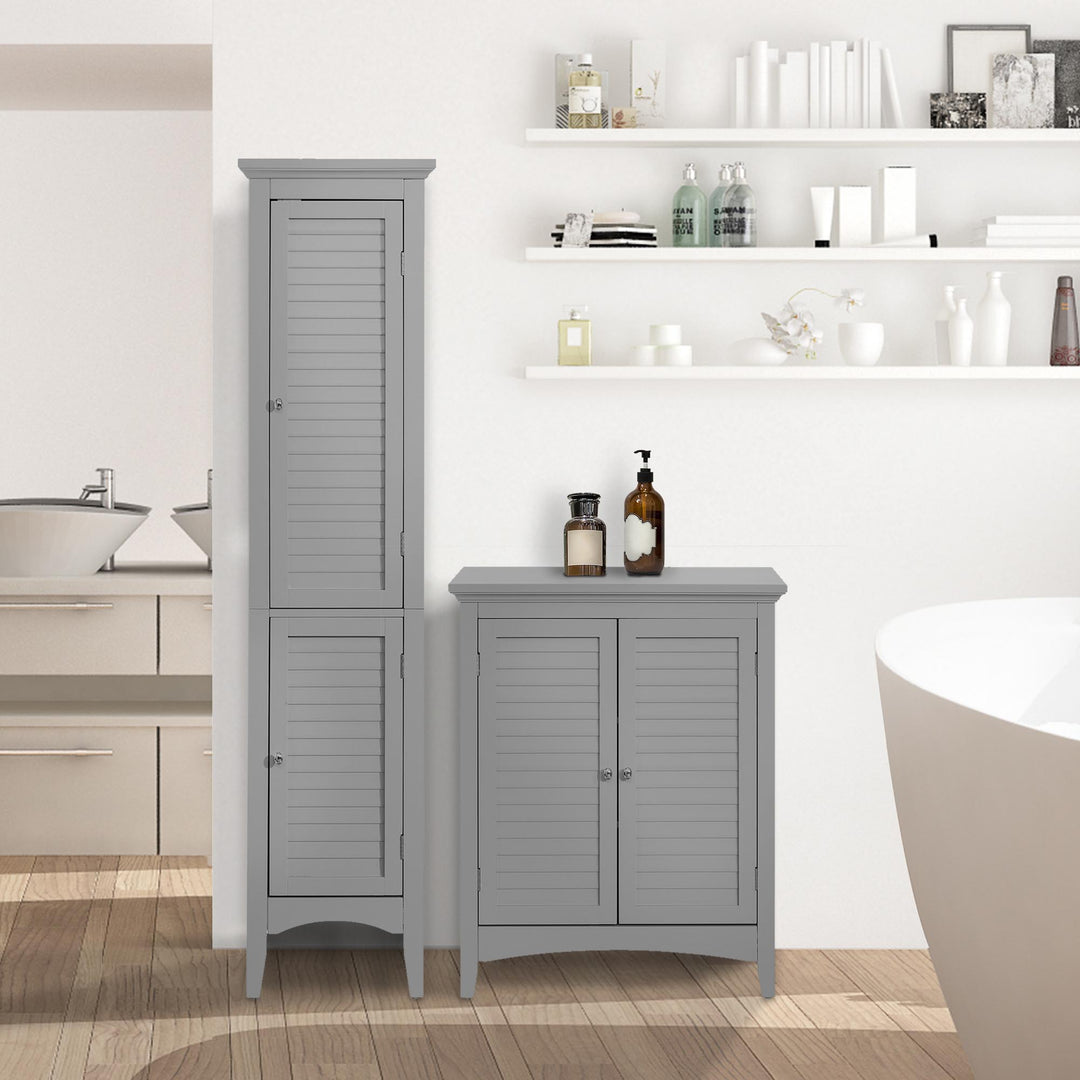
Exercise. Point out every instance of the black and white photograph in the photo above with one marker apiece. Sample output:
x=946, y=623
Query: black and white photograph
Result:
x=1066, y=55
x=1023, y=91
x=958, y=110
x=972, y=50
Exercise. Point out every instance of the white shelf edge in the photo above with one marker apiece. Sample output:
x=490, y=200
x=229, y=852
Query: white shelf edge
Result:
x=806, y=254
x=661, y=137
x=781, y=373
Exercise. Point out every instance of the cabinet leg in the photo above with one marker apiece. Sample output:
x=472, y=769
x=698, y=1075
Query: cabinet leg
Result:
x=414, y=964
x=766, y=970
x=470, y=967
x=256, y=963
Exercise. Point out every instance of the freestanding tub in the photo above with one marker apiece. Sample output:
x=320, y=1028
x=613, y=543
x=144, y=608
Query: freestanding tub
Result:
x=982, y=718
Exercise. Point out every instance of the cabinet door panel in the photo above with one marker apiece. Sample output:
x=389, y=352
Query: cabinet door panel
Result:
x=336, y=355
x=336, y=717
x=687, y=730
x=546, y=729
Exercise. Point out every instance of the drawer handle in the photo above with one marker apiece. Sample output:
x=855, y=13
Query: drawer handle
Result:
x=208, y=753
x=208, y=607
x=70, y=605
x=77, y=752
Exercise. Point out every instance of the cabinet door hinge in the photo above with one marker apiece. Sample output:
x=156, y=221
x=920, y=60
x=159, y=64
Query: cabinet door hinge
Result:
x=478, y=879
x=478, y=665
x=403, y=264
x=755, y=879
x=402, y=544
x=402, y=666
x=402, y=847
x=755, y=663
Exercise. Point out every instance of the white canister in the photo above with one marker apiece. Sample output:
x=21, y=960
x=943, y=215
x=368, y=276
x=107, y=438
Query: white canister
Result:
x=861, y=342
x=665, y=334
x=675, y=355
x=643, y=355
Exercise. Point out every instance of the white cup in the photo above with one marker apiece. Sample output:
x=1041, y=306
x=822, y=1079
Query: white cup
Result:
x=665, y=334
x=861, y=342
x=675, y=355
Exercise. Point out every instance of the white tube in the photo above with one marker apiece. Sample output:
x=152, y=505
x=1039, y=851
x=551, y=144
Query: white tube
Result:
x=924, y=240
x=823, y=203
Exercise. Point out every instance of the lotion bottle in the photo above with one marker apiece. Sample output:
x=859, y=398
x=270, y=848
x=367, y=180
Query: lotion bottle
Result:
x=961, y=334
x=941, y=323
x=993, y=318
x=643, y=524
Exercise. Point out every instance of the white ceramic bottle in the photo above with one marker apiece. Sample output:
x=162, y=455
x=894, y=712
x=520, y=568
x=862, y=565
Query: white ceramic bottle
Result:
x=961, y=333
x=941, y=323
x=993, y=317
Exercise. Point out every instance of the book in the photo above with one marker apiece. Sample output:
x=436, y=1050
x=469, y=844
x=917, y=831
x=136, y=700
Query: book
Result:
x=838, y=84
x=793, y=97
x=1030, y=232
x=759, y=84
x=814, y=81
x=864, y=69
x=741, y=97
x=824, y=87
x=875, y=84
x=1022, y=242
x=852, y=85
x=1034, y=219
x=896, y=114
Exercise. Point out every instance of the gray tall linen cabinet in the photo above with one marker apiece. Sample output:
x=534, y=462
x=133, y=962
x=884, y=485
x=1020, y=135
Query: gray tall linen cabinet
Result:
x=616, y=763
x=336, y=726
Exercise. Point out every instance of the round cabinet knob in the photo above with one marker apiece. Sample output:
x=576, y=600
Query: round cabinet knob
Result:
x=277, y=404
x=606, y=774
x=626, y=772
x=277, y=759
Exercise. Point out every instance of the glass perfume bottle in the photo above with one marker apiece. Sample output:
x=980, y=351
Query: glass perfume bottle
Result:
x=716, y=201
x=584, y=538
x=738, y=214
x=586, y=94
x=1065, y=341
x=575, y=339
x=689, y=209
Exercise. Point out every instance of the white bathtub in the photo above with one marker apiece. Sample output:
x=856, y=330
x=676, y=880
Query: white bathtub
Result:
x=982, y=718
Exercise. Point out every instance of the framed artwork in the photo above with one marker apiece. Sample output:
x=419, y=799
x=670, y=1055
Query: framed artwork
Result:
x=1066, y=80
x=1023, y=91
x=958, y=110
x=972, y=50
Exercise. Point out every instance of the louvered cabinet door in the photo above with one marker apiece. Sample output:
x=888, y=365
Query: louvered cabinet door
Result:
x=336, y=356
x=336, y=720
x=687, y=808
x=546, y=730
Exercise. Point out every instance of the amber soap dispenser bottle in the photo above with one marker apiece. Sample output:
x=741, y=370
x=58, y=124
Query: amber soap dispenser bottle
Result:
x=643, y=525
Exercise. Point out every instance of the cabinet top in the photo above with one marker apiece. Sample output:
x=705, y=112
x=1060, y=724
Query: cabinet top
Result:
x=336, y=168
x=677, y=583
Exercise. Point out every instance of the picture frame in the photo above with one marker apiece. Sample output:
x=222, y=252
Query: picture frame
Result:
x=1066, y=79
x=972, y=48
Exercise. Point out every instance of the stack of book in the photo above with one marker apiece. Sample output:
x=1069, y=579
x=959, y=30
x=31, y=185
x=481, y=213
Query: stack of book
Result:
x=835, y=84
x=1029, y=230
x=615, y=236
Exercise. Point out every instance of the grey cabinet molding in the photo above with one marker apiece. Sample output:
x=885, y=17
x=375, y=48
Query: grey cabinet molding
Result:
x=336, y=659
x=616, y=763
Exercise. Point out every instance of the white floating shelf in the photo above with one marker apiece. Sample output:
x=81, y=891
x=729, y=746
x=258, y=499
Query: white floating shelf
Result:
x=782, y=373
x=806, y=254
x=843, y=137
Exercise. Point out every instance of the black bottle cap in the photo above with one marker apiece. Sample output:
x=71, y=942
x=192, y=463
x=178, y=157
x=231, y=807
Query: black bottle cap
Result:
x=822, y=243
x=933, y=239
x=644, y=473
x=1065, y=283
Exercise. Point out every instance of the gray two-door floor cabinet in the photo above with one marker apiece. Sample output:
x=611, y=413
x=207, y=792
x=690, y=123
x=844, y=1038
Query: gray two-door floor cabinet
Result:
x=336, y=726
x=616, y=763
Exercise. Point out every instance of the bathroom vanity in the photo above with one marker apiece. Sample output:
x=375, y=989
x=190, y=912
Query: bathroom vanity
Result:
x=105, y=712
x=616, y=763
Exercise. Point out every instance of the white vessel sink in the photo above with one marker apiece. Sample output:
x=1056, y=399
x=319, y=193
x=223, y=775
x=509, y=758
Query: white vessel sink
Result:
x=197, y=520
x=62, y=537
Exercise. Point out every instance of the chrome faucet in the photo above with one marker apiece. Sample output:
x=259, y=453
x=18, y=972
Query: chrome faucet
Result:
x=107, y=490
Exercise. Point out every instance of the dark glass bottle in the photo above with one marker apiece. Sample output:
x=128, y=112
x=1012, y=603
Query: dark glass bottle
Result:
x=584, y=538
x=1065, y=340
x=643, y=524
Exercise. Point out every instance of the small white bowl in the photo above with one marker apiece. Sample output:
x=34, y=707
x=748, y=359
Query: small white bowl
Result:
x=861, y=342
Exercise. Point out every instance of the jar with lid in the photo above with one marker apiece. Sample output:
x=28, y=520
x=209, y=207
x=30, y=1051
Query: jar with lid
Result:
x=584, y=538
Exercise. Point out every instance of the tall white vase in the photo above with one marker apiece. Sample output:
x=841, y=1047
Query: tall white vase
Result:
x=941, y=323
x=961, y=334
x=993, y=317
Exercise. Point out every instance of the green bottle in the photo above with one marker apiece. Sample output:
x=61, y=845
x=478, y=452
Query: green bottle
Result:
x=715, y=227
x=689, y=209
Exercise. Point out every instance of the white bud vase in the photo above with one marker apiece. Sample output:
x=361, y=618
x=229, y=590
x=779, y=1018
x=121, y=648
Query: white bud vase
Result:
x=941, y=323
x=961, y=334
x=993, y=318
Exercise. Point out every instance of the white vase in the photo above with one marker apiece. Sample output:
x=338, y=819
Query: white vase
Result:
x=941, y=323
x=762, y=352
x=993, y=318
x=961, y=334
x=861, y=342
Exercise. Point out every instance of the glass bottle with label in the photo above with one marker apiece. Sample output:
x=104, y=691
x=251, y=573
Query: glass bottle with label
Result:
x=739, y=212
x=1064, y=340
x=715, y=227
x=575, y=339
x=643, y=524
x=688, y=212
x=584, y=538
x=586, y=94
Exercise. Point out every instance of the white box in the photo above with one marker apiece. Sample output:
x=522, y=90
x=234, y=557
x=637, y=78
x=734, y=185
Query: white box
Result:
x=648, y=81
x=894, y=217
x=854, y=216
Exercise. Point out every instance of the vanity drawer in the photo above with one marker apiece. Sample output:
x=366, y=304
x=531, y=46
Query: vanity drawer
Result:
x=185, y=791
x=78, y=791
x=77, y=635
x=185, y=635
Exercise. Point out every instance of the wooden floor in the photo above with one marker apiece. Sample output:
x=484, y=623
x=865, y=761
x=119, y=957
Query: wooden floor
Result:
x=106, y=972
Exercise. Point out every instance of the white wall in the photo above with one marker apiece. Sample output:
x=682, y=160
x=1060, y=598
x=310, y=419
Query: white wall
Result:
x=105, y=300
x=868, y=499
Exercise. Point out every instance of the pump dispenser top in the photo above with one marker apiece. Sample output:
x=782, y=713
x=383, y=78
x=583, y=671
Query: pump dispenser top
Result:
x=643, y=525
x=644, y=473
